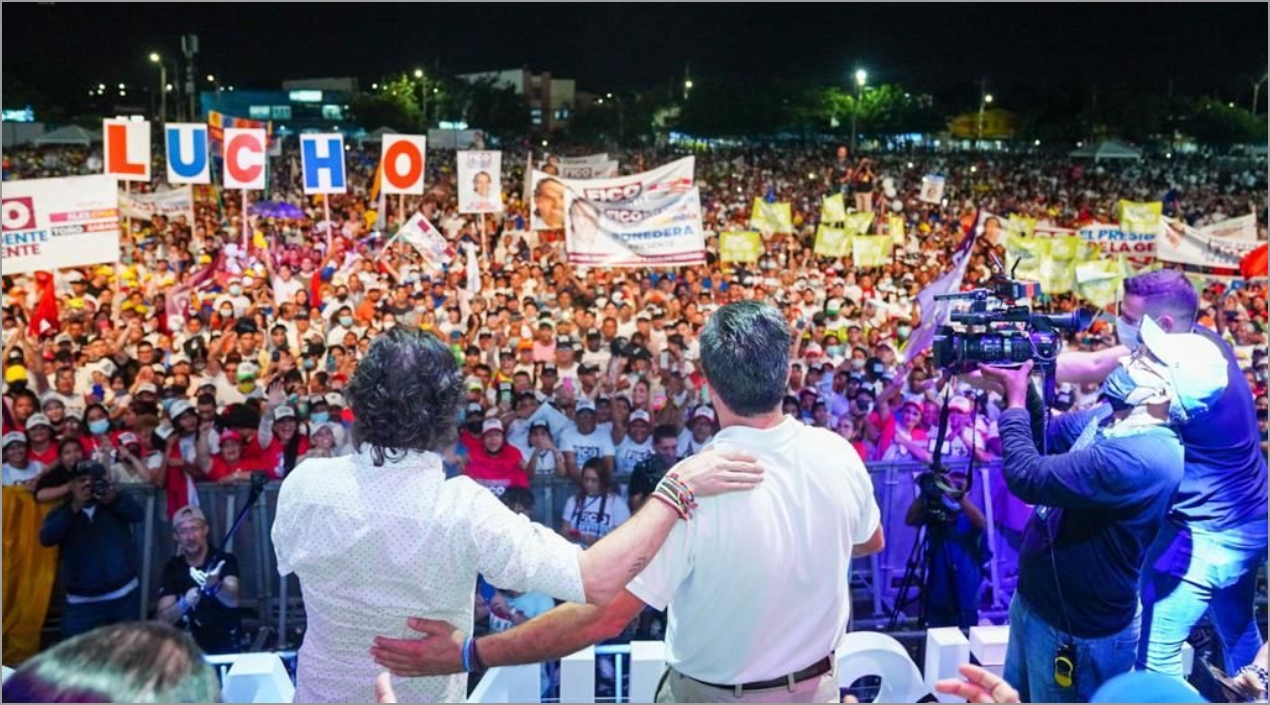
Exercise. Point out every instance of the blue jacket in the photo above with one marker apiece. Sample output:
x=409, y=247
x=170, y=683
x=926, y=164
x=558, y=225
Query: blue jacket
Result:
x=1099, y=508
x=98, y=553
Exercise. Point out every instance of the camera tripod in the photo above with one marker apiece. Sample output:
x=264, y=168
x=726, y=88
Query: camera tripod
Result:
x=920, y=555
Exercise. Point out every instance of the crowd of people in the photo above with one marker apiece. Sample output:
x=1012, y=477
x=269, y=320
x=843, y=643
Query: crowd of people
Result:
x=210, y=352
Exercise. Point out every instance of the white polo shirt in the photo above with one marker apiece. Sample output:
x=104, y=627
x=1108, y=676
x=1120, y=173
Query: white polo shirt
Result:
x=756, y=581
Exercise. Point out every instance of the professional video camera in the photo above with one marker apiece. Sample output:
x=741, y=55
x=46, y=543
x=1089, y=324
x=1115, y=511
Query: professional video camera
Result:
x=997, y=331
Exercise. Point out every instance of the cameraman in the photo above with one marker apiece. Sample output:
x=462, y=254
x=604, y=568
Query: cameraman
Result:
x=207, y=609
x=98, y=557
x=956, y=549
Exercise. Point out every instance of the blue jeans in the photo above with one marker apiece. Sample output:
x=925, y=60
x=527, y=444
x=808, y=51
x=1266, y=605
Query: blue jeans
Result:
x=1189, y=572
x=1034, y=644
x=77, y=619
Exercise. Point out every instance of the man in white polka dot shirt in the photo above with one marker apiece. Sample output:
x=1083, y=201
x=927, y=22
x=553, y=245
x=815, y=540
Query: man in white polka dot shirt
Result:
x=381, y=535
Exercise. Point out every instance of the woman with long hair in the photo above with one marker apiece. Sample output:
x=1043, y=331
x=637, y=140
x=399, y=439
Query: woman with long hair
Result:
x=596, y=509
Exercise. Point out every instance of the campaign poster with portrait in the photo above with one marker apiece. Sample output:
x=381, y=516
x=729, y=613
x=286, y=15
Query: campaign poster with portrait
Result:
x=480, y=182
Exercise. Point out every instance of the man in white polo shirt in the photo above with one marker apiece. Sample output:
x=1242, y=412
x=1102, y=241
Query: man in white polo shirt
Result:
x=739, y=578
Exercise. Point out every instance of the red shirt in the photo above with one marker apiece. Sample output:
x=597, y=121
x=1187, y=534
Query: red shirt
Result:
x=48, y=457
x=222, y=468
x=497, y=471
x=272, y=457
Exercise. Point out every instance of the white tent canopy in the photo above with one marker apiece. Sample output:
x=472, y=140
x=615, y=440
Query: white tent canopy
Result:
x=1107, y=149
x=71, y=134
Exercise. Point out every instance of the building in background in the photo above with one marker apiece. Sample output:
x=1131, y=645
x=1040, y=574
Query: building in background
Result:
x=550, y=101
x=306, y=105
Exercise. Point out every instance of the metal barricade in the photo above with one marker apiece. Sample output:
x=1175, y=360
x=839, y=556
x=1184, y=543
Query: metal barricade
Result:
x=276, y=603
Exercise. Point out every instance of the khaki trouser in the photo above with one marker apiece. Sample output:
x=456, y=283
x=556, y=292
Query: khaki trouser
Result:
x=675, y=687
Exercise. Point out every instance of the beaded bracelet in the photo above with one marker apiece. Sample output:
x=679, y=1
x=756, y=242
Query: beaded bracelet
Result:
x=1259, y=672
x=671, y=501
x=681, y=488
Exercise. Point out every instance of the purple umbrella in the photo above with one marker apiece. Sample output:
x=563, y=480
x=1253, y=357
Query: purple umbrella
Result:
x=276, y=209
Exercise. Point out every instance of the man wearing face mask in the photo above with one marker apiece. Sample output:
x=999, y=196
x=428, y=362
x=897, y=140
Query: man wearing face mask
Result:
x=1101, y=494
x=234, y=297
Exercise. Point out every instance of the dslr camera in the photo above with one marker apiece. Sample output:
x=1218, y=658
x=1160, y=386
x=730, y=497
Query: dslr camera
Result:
x=995, y=330
x=940, y=499
x=96, y=472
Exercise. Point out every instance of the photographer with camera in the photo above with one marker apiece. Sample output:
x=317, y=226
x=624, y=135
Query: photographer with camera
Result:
x=98, y=557
x=1102, y=493
x=956, y=549
x=199, y=593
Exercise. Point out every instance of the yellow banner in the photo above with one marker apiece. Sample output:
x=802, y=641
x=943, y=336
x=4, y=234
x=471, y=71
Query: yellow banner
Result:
x=895, y=228
x=872, y=251
x=772, y=217
x=831, y=242
x=740, y=246
x=1136, y=217
x=29, y=569
x=833, y=209
x=1098, y=281
x=1020, y=225
x=857, y=223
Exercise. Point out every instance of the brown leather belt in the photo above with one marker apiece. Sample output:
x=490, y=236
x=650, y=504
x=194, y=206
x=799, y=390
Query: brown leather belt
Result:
x=819, y=668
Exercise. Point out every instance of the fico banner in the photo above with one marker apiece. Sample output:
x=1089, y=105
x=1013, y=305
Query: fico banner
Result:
x=56, y=223
x=187, y=157
x=126, y=144
x=244, y=152
x=403, y=161
x=323, y=158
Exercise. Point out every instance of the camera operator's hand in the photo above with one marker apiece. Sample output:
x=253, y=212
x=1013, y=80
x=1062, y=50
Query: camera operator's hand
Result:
x=107, y=493
x=1014, y=380
x=81, y=492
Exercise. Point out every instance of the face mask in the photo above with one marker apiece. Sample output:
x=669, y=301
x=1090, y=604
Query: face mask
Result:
x=346, y=321
x=319, y=417
x=904, y=331
x=833, y=351
x=389, y=325
x=235, y=290
x=99, y=426
x=226, y=312
x=1127, y=333
x=247, y=386
x=857, y=364
x=309, y=363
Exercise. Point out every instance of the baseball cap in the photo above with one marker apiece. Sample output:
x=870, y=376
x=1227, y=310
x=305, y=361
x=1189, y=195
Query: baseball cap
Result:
x=335, y=399
x=491, y=425
x=1196, y=369
x=63, y=338
x=475, y=408
x=128, y=438
x=35, y=420
x=230, y=434
x=961, y=404
x=179, y=407
x=585, y=405
x=703, y=412
x=12, y=437
x=188, y=513
x=549, y=369
x=641, y=415
x=15, y=373
x=145, y=387
x=248, y=370
x=283, y=412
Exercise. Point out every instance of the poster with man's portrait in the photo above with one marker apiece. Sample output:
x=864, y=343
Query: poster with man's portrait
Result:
x=480, y=182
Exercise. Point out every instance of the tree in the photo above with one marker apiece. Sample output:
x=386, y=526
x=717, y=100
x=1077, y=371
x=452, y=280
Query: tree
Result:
x=395, y=103
x=1220, y=126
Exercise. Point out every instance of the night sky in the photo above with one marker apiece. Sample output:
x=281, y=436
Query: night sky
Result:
x=1204, y=48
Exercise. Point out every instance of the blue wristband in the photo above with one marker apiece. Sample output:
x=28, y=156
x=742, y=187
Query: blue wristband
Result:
x=467, y=655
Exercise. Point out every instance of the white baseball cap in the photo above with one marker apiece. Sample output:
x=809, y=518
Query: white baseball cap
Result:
x=12, y=437
x=703, y=412
x=147, y=387
x=491, y=425
x=584, y=405
x=641, y=415
x=180, y=406
x=283, y=412
x=335, y=399
x=1197, y=369
x=35, y=420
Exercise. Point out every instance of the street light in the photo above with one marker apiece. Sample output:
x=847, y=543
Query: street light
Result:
x=1256, y=92
x=861, y=77
x=423, y=94
x=163, y=82
x=983, y=102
